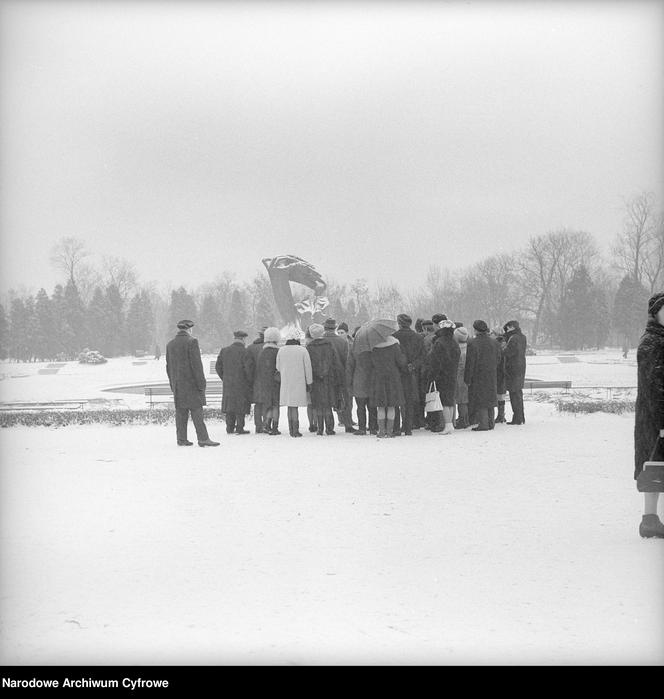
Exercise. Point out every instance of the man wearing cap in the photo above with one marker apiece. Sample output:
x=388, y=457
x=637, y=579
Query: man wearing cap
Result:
x=251, y=361
x=340, y=346
x=480, y=373
x=231, y=369
x=412, y=345
x=514, y=370
x=184, y=369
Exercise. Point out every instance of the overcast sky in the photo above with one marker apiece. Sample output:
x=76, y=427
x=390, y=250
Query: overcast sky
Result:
x=372, y=139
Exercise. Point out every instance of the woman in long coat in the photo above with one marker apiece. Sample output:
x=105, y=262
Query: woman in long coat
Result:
x=358, y=376
x=294, y=367
x=267, y=386
x=444, y=362
x=388, y=364
x=328, y=379
x=482, y=359
x=649, y=418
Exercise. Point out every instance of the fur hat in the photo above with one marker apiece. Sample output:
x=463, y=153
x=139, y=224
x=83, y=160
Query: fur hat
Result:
x=437, y=317
x=272, y=335
x=446, y=324
x=330, y=324
x=404, y=320
x=655, y=302
x=239, y=334
x=461, y=334
x=480, y=326
x=511, y=323
x=316, y=330
x=185, y=324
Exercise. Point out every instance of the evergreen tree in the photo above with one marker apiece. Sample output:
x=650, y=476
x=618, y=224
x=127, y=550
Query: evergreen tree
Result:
x=210, y=325
x=630, y=311
x=140, y=322
x=33, y=350
x=116, y=326
x=74, y=332
x=4, y=333
x=98, y=333
x=60, y=327
x=237, y=316
x=577, y=314
x=45, y=329
x=182, y=307
x=18, y=331
x=362, y=315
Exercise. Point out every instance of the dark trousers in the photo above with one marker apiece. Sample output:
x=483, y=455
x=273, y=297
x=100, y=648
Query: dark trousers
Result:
x=312, y=418
x=258, y=417
x=364, y=411
x=324, y=418
x=181, y=420
x=516, y=401
x=234, y=422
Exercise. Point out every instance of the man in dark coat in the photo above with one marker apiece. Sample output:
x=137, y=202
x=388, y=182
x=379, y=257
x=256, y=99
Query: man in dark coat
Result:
x=340, y=346
x=251, y=360
x=514, y=357
x=231, y=369
x=184, y=369
x=649, y=409
x=482, y=357
x=412, y=345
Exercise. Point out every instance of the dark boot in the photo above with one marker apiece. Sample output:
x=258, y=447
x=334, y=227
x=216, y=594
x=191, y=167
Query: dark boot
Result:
x=329, y=422
x=389, y=427
x=651, y=526
x=274, y=429
x=501, y=412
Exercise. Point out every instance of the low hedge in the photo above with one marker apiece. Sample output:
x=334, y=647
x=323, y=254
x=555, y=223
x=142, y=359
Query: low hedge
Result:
x=124, y=416
x=595, y=406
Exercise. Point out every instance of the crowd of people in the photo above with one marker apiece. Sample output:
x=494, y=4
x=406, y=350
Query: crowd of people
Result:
x=384, y=391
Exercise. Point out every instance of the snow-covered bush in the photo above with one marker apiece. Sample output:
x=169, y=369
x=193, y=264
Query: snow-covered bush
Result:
x=88, y=356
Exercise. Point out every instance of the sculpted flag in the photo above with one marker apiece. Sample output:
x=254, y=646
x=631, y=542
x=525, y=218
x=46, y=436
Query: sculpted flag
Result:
x=285, y=269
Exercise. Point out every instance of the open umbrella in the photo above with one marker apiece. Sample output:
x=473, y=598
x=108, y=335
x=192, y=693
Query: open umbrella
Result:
x=372, y=333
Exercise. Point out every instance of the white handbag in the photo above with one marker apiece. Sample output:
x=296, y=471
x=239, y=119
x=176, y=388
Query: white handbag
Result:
x=432, y=403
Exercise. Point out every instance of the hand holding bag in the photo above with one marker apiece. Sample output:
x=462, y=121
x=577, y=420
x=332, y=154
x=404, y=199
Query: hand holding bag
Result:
x=651, y=479
x=432, y=402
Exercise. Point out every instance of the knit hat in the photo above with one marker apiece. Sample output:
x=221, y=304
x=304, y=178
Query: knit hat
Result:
x=437, y=317
x=343, y=326
x=272, y=335
x=655, y=302
x=480, y=326
x=330, y=324
x=185, y=324
x=404, y=320
x=461, y=334
x=316, y=330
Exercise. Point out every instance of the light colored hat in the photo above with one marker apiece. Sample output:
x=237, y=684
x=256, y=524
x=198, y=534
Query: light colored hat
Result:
x=461, y=334
x=316, y=330
x=272, y=335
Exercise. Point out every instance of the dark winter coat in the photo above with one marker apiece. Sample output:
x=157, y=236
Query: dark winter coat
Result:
x=501, y=386
x=649, y=418
x=482, y=357
x=340, y=345
x=444, y=362
x=184, y=369
x=328, y=374
x=388, y=365
x=515, y=360
x=267, y=386
x=251, y=361
x=462, y=387
x=412, y=345
x=358, y=374
x=230, y=368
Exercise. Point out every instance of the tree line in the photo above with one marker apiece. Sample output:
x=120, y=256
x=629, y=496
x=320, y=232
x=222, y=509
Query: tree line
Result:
x=558, y=286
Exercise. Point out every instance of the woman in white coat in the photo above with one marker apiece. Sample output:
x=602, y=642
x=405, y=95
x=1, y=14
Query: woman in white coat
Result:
x=294, y=367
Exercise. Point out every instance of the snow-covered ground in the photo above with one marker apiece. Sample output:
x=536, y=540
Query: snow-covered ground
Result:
x=516, y=546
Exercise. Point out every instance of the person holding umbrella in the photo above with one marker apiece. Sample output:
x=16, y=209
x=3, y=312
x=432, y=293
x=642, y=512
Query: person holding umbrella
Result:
x=388, y=365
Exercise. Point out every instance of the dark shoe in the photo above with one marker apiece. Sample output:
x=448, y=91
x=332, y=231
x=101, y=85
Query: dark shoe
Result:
x=313, y=428
x=481, y=429
x=651, y=526
x=500, y=419
x=360, y=432
x=350, y=430
x=274, y=431
x=241, y=431
x=184, y=443
x=208, y=443
x=408, y=433
x=330, y=432
x=512, y=422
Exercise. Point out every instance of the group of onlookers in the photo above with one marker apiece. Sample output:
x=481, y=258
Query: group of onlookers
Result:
x=387, y=384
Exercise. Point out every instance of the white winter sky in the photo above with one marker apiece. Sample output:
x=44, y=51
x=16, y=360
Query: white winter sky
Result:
x=371, y=138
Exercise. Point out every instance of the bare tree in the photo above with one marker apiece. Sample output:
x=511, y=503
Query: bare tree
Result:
x=121, y=273
x=639, y=249
x=66, y=255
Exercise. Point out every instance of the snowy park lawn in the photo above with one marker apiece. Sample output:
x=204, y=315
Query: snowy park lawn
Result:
x=516, y=546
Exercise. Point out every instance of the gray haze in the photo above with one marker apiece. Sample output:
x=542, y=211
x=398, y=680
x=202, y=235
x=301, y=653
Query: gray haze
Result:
x=373, y=139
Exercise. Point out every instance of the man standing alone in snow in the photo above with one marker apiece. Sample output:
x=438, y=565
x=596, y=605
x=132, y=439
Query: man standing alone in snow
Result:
x=187, y=379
